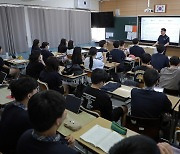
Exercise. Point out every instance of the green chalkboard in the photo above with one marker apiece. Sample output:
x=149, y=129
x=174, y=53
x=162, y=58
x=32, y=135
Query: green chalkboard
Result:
x=119, y=27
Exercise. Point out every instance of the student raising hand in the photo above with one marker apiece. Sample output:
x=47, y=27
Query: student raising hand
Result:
x=165, y=148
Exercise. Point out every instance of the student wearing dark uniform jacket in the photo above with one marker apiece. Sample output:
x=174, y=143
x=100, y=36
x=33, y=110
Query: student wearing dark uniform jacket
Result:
x=14, y=119
x=136, y=50
x=51, y=75
x=35, y=65
x=163, y=39
x=139, y=70
x=62, y=48
x=159, y=60
x=35, y=46
x=147, y=103
x=46, y=112
x=45, y=51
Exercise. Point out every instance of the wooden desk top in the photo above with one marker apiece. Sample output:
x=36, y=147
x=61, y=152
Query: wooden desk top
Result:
x=4, y=92
x=102, y=122
x=82, y=118
x=111, y=65
x=174, y=100
x=17, y=61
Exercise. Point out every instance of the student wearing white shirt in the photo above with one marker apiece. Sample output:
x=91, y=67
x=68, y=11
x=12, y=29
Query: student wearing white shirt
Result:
x=91, y=62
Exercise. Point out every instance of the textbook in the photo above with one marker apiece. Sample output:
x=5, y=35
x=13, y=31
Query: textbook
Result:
x=101, y=137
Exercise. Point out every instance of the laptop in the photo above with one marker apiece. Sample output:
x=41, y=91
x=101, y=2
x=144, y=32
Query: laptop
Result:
x=2, y=78
x=73, y=103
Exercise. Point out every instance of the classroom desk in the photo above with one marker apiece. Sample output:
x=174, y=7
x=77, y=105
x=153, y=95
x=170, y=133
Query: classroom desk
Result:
x=112, y=65
x=88, y=47
x=174, y=100
x=71, y=78
x=102, y=122
x=4, y=92
x=18, y=63
x=82, y=118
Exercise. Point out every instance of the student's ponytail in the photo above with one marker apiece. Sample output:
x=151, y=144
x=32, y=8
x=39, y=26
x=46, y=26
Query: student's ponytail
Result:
x=92, y=52
x=90, y=62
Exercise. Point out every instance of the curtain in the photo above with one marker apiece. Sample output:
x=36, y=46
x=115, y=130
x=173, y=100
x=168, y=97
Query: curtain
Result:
x=37, y=24
x=4, y=31
x=56, y=26
x=80, y=26
x=17, y=29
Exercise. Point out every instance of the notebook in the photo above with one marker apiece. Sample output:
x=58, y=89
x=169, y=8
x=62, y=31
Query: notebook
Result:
x=73, y=103
x=2, y=77
x=101, y=137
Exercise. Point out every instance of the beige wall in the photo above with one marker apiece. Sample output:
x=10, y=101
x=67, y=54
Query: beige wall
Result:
x=136, y=7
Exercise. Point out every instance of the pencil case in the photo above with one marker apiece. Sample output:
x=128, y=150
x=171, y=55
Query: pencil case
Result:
x=119, y=129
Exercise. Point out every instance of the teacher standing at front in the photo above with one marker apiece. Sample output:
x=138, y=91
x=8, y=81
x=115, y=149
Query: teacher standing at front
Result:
x=163, y=39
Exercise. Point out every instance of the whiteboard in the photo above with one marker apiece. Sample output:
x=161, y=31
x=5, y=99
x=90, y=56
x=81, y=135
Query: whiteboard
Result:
x=150, y=28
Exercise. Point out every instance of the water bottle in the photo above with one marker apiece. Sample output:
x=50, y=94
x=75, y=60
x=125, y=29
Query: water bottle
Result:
x=7, y=55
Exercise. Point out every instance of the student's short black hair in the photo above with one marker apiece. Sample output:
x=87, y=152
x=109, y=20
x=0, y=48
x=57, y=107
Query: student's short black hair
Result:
x=146, y=58
x=160, y=48
x=34, y=56
x=52, y=64
x=135, y=41
x=0, y=47
x=63, y=42
x=44, y=44
x=138, y=144
x=150, y=76
x=163, y=29
x=102, y=42
x=121, y=43
x=21, y=87
x=99, y=75
x=116, y=44
x=174, y=60
x=70, y=44
x=44, y=108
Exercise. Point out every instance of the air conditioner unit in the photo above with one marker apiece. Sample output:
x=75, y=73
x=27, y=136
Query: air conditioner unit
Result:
x=82, y=4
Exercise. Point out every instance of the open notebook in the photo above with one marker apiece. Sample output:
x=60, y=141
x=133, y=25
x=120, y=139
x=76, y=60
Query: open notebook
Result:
x=101, y=137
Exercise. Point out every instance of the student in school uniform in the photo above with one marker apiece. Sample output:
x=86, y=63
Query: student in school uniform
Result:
x=147, y=103
x=45, y=51
x=159, y=60
x=62, y=48
x=136, y=50
x=51, y=75
x=91, y=62
x=101, y=54
x=118, y=55
x=96, y=99
x=35, y=65
x=14, y=119
x=36, y=46
x=70, y=47
x=170, y=77
x=139, y=70
x=140, y=144
x=46, y=112
x=14, y=72
x=122, y=47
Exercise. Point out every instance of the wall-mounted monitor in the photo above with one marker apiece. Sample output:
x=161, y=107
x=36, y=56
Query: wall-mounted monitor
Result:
x=150, y=27
x=102, y=19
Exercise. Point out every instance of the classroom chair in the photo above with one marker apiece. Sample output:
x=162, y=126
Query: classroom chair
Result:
x=95, y=113
x=42, y=85
x=146, y=126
